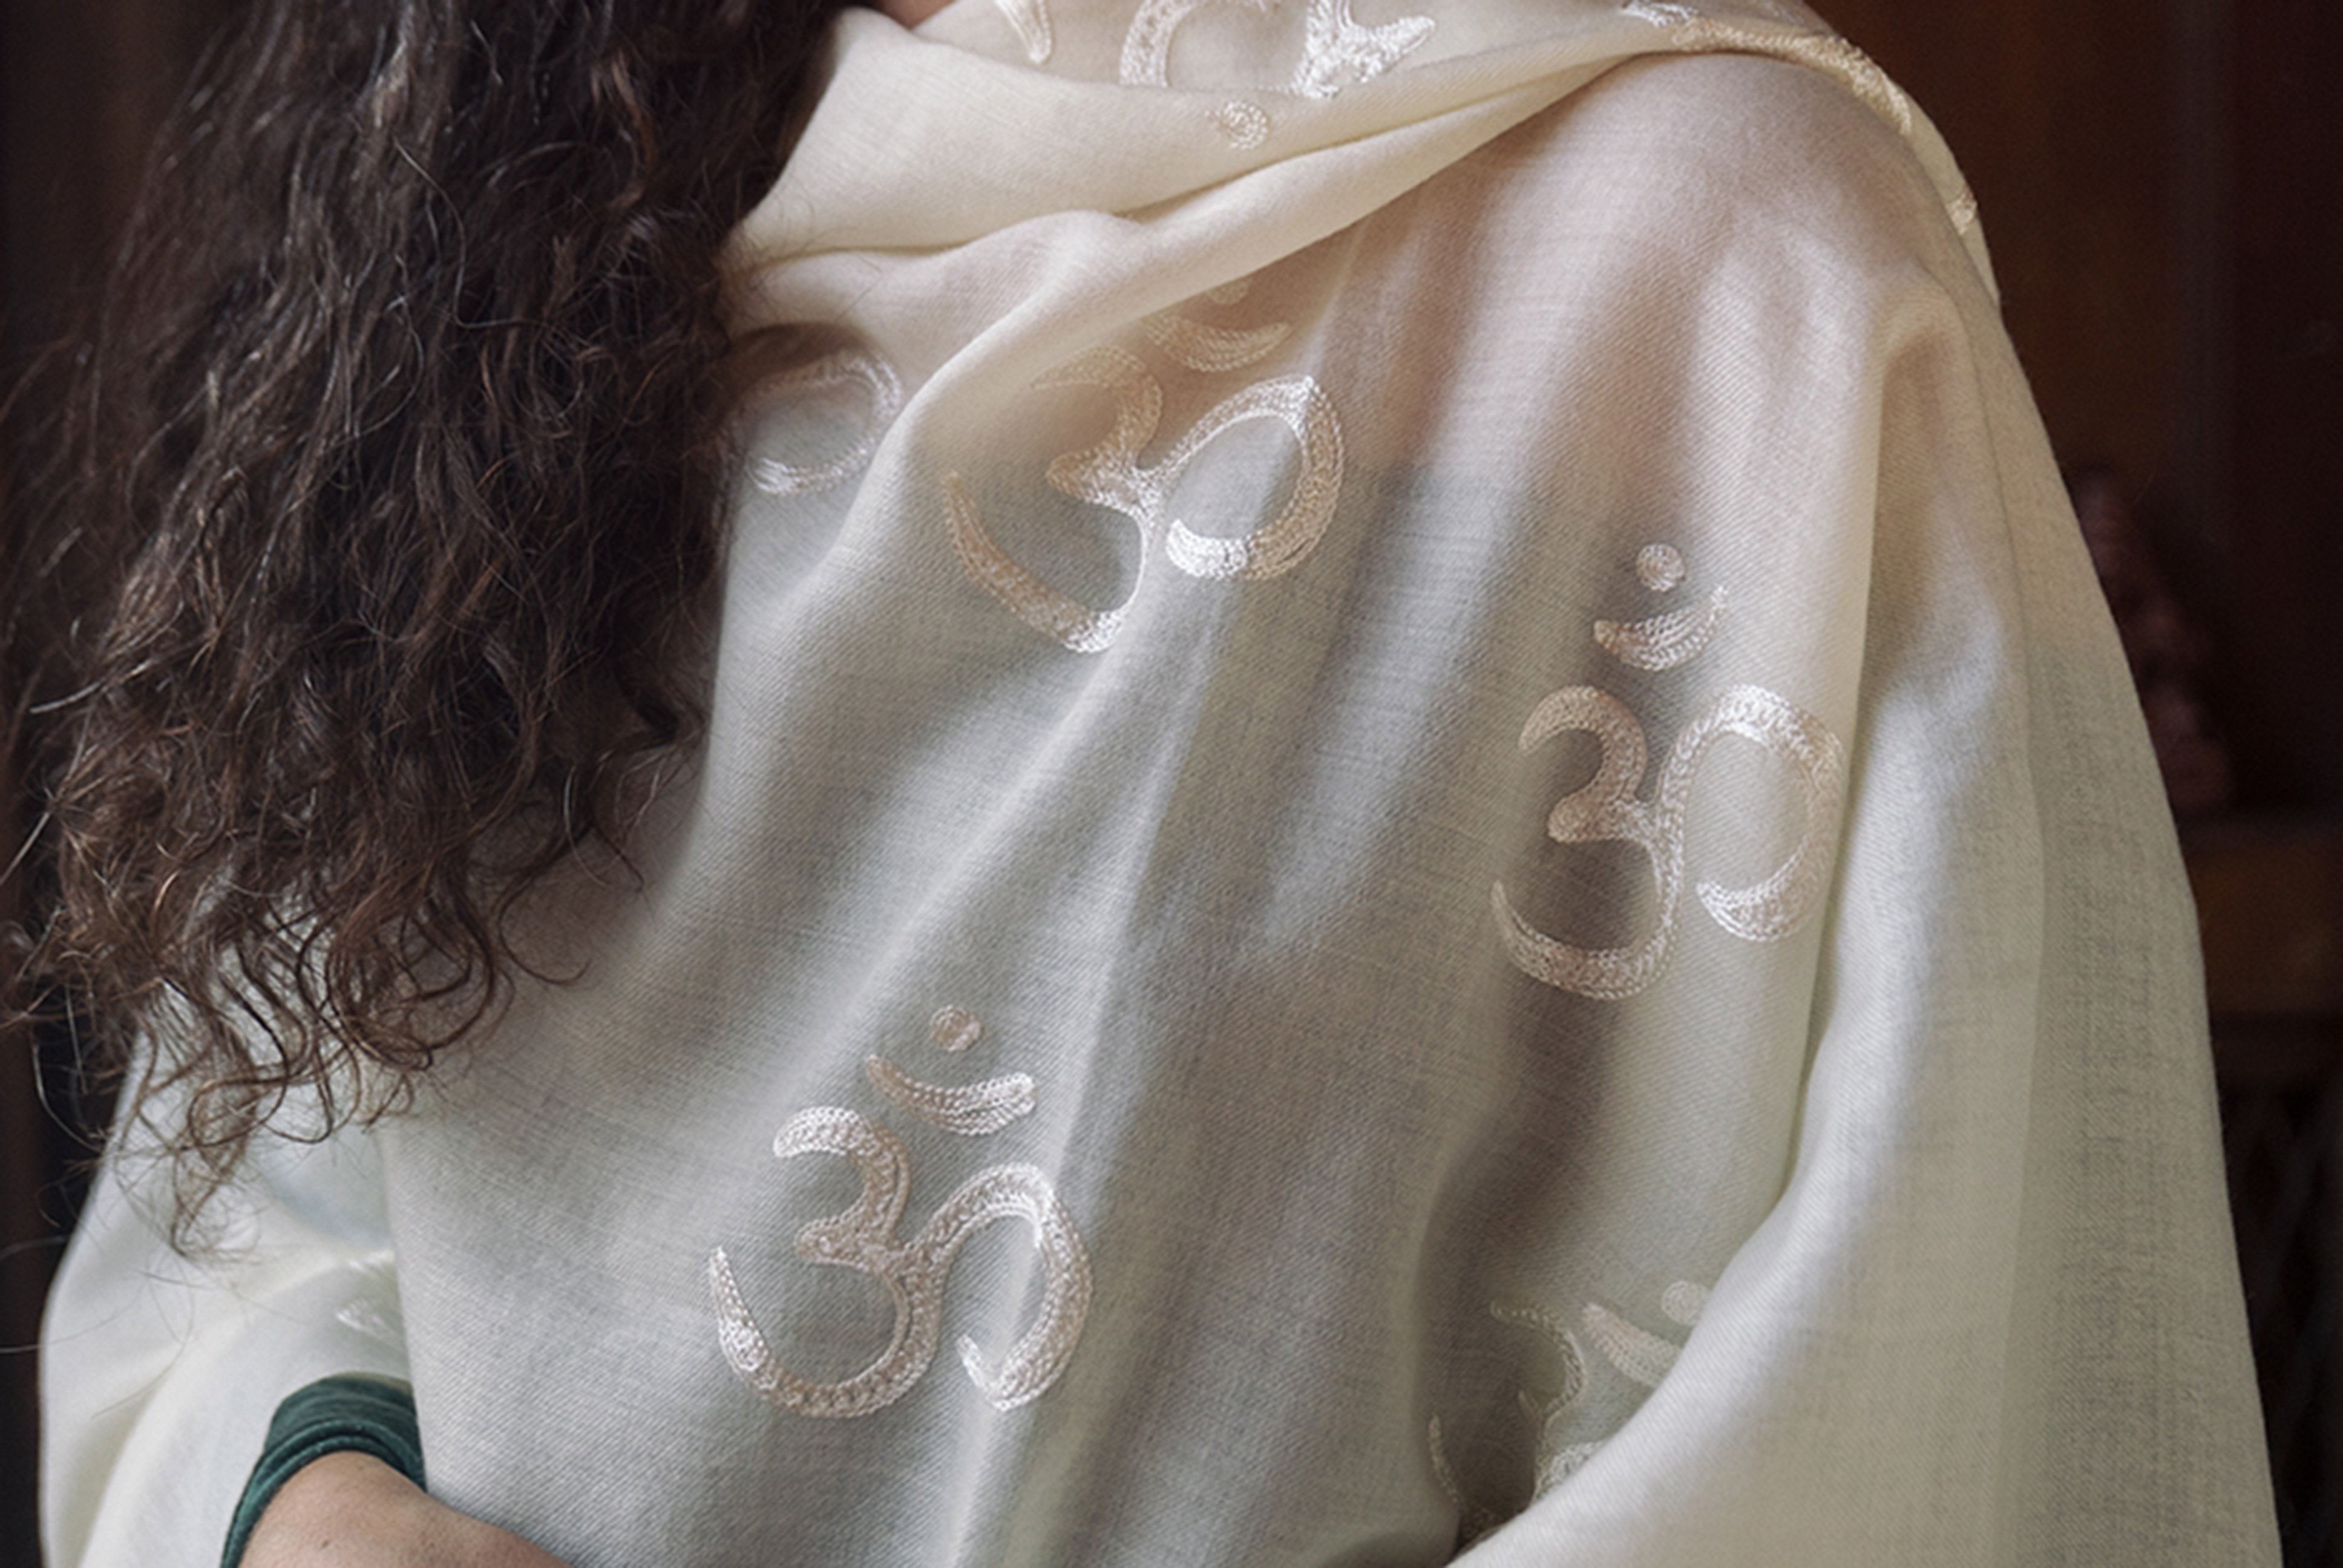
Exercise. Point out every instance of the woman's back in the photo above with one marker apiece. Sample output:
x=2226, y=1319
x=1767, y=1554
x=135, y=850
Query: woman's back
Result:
x=1437, y=826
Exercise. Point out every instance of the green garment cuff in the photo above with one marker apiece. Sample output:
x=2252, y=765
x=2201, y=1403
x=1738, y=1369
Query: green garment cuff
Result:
x=349, y=1412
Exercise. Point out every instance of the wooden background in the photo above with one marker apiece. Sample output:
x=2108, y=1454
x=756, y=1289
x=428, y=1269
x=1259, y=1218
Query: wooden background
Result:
x=2162, y=183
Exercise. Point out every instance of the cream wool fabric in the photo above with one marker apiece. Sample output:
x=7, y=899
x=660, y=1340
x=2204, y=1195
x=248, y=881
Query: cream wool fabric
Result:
x=1420, y=833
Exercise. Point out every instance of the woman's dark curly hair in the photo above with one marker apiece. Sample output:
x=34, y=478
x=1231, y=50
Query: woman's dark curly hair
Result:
x=395, y=464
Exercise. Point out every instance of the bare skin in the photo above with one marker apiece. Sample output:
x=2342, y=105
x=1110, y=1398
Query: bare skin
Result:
x=353, y=1511
x=911, y=13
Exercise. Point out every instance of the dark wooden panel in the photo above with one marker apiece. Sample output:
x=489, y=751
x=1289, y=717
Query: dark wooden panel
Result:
x=2163, y=188
x=2284, y=676
x=2059, y=114
x=2270, y=897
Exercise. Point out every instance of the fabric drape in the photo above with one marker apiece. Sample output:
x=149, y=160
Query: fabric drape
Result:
x=1419, y=835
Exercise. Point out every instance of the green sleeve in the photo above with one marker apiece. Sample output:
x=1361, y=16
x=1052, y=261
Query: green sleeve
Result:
x=354, y=1412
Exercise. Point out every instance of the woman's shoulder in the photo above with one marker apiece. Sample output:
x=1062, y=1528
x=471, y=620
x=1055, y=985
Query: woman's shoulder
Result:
x=1699, y=156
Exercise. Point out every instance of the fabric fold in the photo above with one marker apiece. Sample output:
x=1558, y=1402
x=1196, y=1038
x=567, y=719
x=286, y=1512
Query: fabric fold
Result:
x=1419, y=834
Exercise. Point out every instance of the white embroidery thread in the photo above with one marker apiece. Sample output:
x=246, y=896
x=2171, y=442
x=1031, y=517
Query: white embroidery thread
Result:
x=972, y=1111
x=846, y=367
x=1030, y=19
x=1472, y=1520
x=1147, y=46
x=1663, y=641
x=1286, y=540
x=1555, y=1461
x=383, y=1323
x=862, y=1237
x=1244, y=123
x=1659, y=568
x=1684, y=1301
x=1691, y=32
x=1963, y=210
x=954, y=1029
x=1641, y=1357
x=1052, y=613
x=1211, y=349
x=1109, y=474
x=1334, y=45
x=1606, y=810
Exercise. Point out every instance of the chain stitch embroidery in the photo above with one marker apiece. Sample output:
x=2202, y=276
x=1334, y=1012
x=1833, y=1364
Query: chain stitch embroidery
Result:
x=846, y=367
x=1661, y=641
x=1641, y=1357
x=1030, y=19
x=1109, y=474
x=1147, y=46
x=1472, y=1521
x=972, y=1111
x=1335, y=45
x=1691, y=32
x=1211, y=349
x=1606, y=810
x=954, y=1029
x=862, y=1237
x=1659, y=568
x=1287, y=540
x=1684, y=1301
x=1036, y=603
x=1244, y=123
x=1553, y=1461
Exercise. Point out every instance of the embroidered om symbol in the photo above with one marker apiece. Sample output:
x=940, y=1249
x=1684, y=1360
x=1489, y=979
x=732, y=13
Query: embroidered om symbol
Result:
x=855, y=368
x=1641, y=1357
x=862, y=1237
x=1607, y=810
x=1337, y=50
x=1110, y=475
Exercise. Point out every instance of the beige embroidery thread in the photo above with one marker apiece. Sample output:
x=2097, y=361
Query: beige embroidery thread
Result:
x=1659, y=568
x=1607, y=811
x=1335, y=45
x=1644, y=1358
x=1030, y=19
x=1109, y=474
x=1607, y=808
x=1147, y=46
x=1210, y=348
x=971, y=1110
x=954, y=1029
x=1691, y=32
x=1663, y=641
x=862, y=1237
x=1244, y=122
x=847, y=368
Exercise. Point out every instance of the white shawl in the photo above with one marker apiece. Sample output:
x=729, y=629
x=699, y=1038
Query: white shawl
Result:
x=1420, y=830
